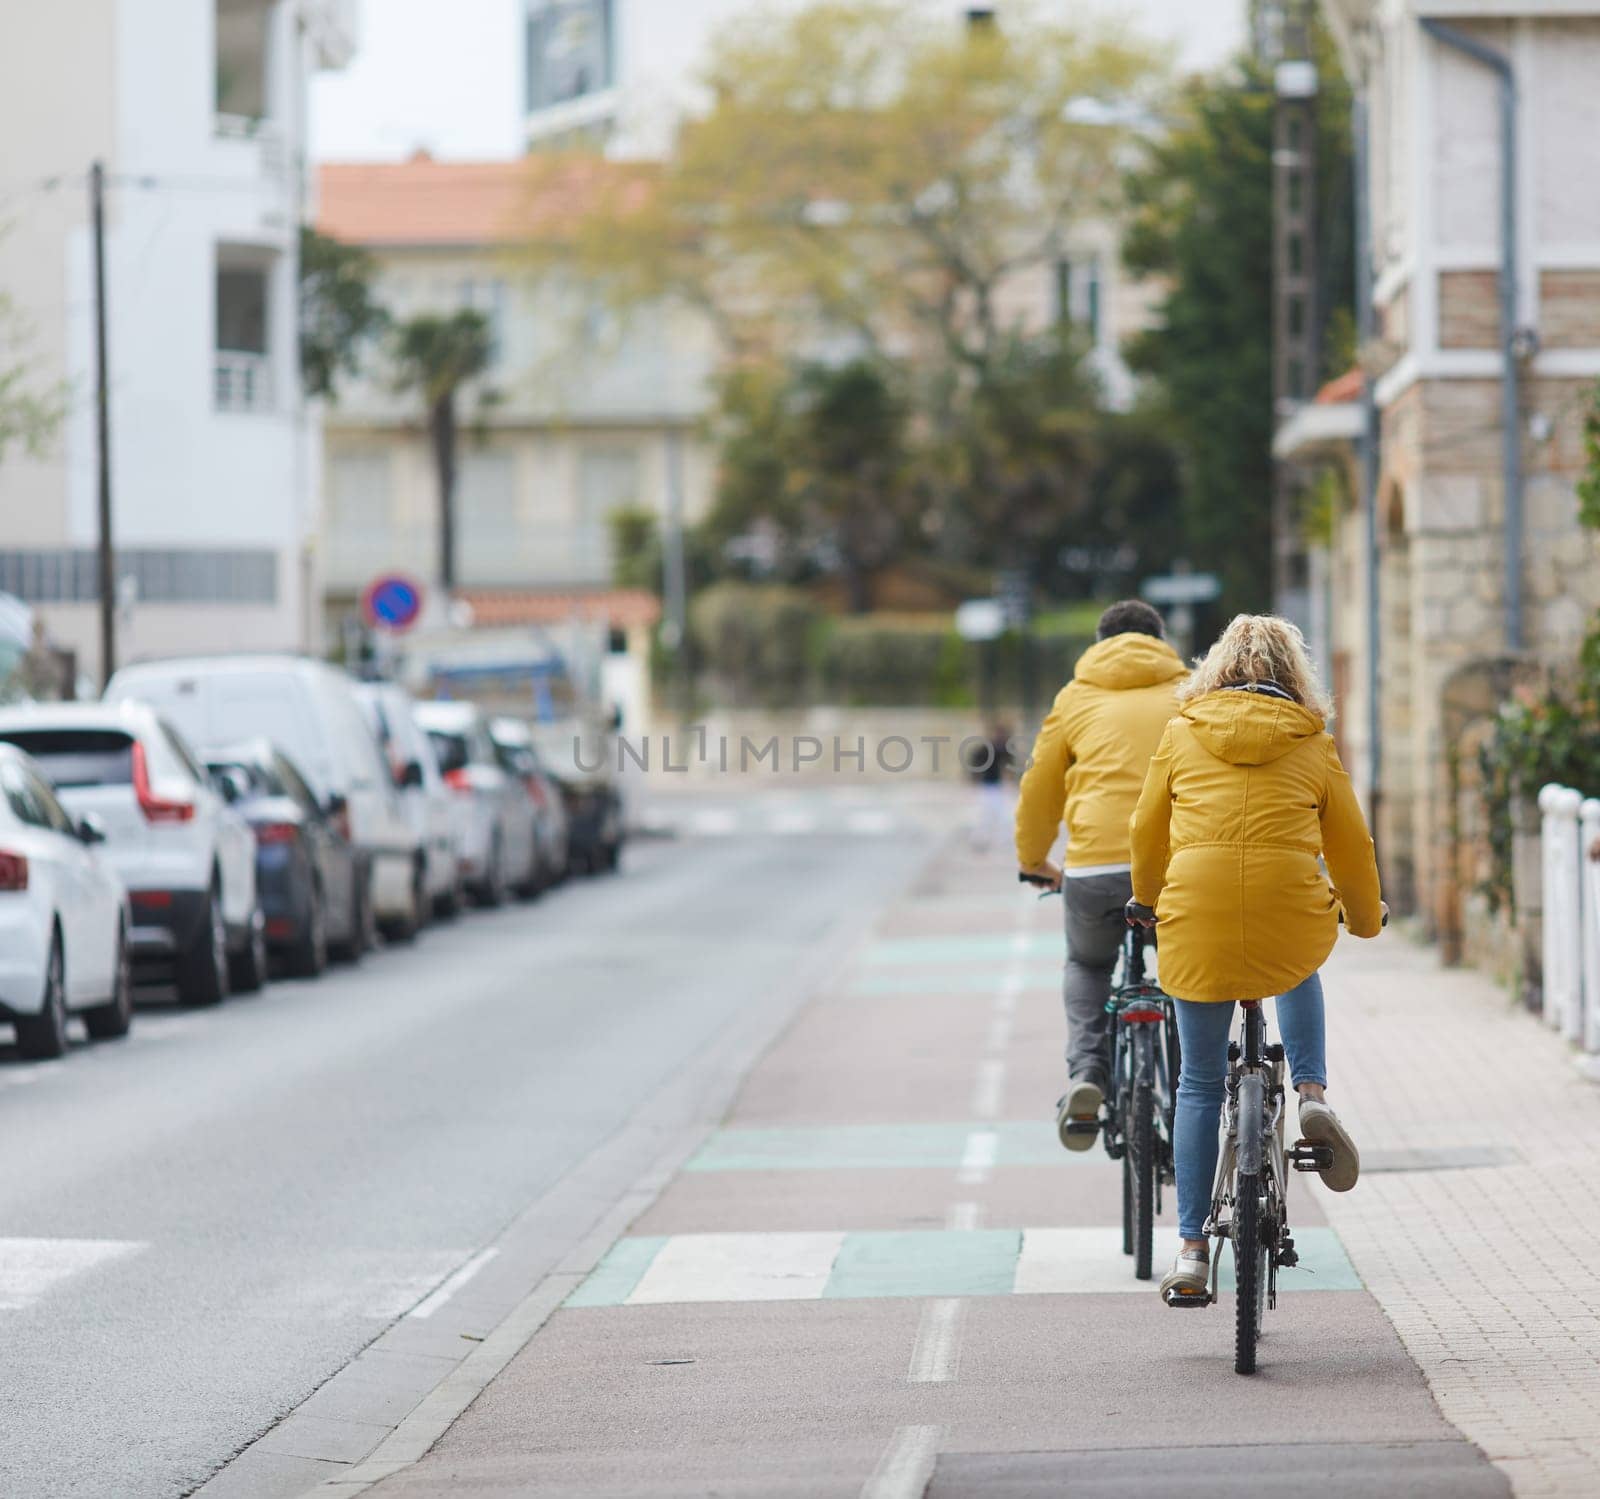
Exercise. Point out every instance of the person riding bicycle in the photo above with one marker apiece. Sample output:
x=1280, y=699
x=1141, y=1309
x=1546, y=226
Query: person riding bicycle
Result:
x=1090, y=758
x=1244, y=794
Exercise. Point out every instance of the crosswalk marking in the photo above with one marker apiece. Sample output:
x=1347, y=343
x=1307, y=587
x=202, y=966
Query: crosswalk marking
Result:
x=925, y=1264
x=739, y=1267
x=977, y=1160
x=937, y=1353
x=33, y=1268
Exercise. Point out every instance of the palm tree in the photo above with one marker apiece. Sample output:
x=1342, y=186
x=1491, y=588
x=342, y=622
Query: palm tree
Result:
x=436, y=355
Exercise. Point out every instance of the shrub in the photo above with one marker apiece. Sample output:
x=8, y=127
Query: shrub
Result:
x=755, y=641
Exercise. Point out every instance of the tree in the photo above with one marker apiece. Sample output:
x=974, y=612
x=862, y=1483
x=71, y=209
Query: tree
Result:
x=817, y=455
x=867, y=172
x=340, y=319
x=436, y=356
x=1202, y=220
x=30, y=412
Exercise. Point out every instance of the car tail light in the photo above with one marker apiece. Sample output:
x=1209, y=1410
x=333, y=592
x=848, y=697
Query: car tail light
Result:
x=155, y=808
x=458, y=779
x=535, y=789
x=276, y=832
x=160, y=899
x=278, y=927
x=13, y=872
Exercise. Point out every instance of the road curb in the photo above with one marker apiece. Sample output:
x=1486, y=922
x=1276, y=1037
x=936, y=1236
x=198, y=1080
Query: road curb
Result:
x=662, y=1135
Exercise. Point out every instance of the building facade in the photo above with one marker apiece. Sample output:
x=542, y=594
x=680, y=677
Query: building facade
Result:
x=582, y=413
x=1472, y=594
x=196, y=109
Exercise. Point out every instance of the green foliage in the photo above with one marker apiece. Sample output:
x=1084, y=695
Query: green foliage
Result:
x=1589, y=485
x=1551, y=735
x=1202, y=219
x=30, y=412
x=340, y=319
x=894, y=660
x=635, y=549
x=755, y=641
x=437, y=353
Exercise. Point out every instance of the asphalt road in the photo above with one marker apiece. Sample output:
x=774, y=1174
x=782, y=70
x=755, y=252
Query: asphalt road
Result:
x=205, y=1222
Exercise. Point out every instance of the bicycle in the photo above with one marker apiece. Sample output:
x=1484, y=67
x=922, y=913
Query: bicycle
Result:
x=1140, y=1113
x=1249, y=1204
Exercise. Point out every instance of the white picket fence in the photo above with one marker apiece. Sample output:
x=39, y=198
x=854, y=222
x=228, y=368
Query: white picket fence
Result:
x=1569, y=830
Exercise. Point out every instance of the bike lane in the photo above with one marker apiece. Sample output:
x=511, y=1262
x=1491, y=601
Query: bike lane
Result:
x=882, y=1276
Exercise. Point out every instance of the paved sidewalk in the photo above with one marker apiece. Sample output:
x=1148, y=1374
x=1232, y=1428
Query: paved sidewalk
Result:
x=1477, y=1221
x=883, y=1277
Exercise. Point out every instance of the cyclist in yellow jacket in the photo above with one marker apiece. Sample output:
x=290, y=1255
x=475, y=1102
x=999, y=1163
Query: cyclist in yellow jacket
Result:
x=1089, y=761
x=1244, y=797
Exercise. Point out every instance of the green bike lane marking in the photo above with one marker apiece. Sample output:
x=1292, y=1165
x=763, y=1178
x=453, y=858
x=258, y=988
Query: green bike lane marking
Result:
x=965, y=949
x=883, y=1146
x=733, y=1267
x=986, y=978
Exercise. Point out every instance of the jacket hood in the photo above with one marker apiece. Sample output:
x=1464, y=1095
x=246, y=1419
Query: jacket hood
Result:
x=1128, y=661
x=1249, y=728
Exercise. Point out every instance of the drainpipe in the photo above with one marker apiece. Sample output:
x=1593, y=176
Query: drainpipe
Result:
x=1365, y=320
x=1510, y=334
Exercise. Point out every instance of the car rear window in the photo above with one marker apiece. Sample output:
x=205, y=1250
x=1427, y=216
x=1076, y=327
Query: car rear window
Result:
x=451, y=749
x=78, y=757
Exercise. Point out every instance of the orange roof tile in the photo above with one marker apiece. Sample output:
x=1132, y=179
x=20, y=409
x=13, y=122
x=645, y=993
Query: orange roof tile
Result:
x=623, y=608
x=423, y=202
x=1345, y=387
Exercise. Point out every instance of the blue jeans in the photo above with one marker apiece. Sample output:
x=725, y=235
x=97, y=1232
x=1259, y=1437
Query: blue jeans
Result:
x=1203, y=1036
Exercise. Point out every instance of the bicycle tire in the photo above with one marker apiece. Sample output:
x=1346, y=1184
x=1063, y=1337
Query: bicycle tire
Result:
x=1247, y=1274
x=1127, y=1203
x=1142, y=1151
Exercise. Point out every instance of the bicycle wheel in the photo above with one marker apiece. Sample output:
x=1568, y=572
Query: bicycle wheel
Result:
x=1249, y=1260
x=1142, y=1149
x=1127, y=1203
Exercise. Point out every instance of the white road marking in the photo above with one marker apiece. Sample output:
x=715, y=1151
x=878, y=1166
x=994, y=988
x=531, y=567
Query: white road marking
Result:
x=739, y=1267
x=869, y=822
x=714, y=822
x=906, y=1465
x=379, y=1285
x=430, y=1304
x=1012, y=984
x=31, y=1268
x=1021, y=942
x=999, y=1032
x=989, y=1088
x=1057, y=1260
x=794, y=822
x=964, y=1217
x=937, y=1353
x=977, y=1160
x=20, y=1079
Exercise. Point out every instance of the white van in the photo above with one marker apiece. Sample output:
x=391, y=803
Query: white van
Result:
x=309, y=710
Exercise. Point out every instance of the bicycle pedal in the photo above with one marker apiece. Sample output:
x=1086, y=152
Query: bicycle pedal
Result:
x=1188, y=1300
x=1309, y=1156
x=1287, y=1256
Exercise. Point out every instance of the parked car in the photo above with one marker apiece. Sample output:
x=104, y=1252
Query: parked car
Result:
x=309, y=710
x=495, y=827
x=308, y=872
x=187, y=859
x=514, y=742
x=582, y=759
x=425, y=798
x=64, y=919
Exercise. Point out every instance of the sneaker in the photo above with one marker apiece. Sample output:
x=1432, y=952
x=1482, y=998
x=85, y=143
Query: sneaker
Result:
x=1320, y=1125
x=1079, y=1107
x=1190, y=1274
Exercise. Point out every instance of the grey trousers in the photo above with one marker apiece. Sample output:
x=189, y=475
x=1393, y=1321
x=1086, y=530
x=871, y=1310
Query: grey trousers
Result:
x=1094, y=935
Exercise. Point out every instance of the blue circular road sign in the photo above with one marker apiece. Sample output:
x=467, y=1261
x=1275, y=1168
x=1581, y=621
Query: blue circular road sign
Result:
x=392, y=602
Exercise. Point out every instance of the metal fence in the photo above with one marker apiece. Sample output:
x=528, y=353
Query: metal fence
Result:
x=1570, y=844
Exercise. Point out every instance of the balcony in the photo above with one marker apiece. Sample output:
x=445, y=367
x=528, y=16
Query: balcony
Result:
x=243, y=382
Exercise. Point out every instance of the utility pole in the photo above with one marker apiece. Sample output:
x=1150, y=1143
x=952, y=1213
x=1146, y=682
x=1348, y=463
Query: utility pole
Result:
x=102, y=404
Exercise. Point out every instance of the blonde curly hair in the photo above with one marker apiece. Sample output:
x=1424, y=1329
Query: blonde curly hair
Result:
x=1260, y=648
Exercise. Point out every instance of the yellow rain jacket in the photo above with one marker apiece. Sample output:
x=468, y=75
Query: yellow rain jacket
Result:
x=1244, y=792
x=1094, y=748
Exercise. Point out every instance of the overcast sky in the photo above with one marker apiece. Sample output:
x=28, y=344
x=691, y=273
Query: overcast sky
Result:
x=448, y=76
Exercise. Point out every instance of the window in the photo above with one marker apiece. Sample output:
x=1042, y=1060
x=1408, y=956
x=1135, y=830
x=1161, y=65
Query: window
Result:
x=243, y=311
x=486, y=514
x=608, y=481
x=79, y=757
x=1078, y=294
x=22, y=794
x=244, y=39
x=358, y=497
x=1297, y=317
x=159, y=576
x=55, y=815
x=1297, y=254
x=1294, y=183
x=571, y=50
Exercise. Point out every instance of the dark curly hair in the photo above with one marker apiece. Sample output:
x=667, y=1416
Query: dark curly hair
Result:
x=1130, y=617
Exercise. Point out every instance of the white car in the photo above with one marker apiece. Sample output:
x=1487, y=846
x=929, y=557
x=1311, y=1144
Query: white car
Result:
x=64, y=922
x=425, y=798
x=308, y=709
x=495, y=826
x=187, y=859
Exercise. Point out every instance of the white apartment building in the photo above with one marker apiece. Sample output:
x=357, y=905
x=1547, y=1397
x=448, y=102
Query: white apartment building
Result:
x=197, y=110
